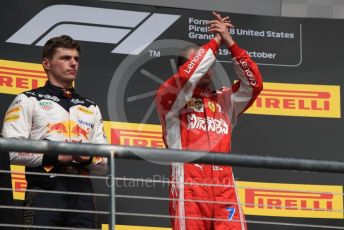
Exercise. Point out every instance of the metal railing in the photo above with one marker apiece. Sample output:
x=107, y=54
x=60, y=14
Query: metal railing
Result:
x=170, y=155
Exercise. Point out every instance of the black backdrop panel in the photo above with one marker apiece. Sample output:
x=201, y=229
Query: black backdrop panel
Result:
x=288, y=50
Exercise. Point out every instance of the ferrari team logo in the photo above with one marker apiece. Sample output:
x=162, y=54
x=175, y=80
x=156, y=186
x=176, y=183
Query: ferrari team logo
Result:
x=211, y=106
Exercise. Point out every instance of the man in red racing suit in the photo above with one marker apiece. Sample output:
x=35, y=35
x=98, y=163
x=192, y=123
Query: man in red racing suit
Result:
x=195, y=118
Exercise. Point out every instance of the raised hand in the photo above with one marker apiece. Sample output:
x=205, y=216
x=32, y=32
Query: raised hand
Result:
x=220, y=26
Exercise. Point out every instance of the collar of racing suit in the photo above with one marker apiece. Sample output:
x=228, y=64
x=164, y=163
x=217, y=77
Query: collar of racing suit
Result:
x=204, y=93
x=65, y=99
x=58, y=91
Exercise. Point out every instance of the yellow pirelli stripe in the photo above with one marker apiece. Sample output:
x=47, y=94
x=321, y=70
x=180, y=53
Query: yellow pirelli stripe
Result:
x=17, y=77
x=133, y=134
x=298, y=100
x=18, y=182
x=291, y=200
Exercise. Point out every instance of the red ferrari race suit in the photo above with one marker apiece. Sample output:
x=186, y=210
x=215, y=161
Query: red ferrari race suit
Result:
x=195, y=119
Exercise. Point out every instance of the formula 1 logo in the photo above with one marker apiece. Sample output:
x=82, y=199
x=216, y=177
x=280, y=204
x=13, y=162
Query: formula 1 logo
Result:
x=138, y=29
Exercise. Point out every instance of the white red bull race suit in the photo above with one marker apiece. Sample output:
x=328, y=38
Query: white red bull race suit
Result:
x=54, y=114
x=195, y=119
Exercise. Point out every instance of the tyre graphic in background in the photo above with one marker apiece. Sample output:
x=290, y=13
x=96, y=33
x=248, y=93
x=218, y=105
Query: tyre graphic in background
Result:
x=133, y=85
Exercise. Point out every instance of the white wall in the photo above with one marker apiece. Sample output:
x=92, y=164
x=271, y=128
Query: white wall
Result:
x=313, y=8
x=285, y=8
x=259, y=7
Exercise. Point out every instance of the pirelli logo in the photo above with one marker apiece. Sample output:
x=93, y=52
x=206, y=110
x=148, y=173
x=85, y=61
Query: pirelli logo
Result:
x=298, y=100
x=17, y=77
x=131, y=134
x=291, y=200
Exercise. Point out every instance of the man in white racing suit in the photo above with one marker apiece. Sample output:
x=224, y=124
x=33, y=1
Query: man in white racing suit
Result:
x=55, y=112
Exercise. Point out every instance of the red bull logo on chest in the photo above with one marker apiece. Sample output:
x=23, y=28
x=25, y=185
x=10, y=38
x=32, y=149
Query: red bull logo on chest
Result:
x=69, y=129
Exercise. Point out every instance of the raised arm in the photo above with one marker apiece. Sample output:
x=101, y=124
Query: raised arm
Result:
x=174, y=93
x=244, y=92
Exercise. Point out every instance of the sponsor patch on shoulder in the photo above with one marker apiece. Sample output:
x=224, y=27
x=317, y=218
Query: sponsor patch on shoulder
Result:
x=11, y=117
x=15, y=109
